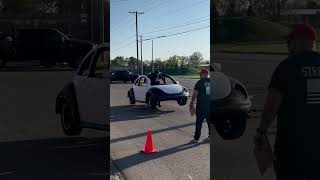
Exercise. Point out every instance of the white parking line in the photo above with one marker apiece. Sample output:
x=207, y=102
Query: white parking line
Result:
x=189, y=176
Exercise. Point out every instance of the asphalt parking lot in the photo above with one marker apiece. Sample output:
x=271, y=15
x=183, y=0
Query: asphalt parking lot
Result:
x=172, y=128
x=32, y=143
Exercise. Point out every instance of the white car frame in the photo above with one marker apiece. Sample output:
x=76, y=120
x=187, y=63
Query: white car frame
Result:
x=84, y=102
x=143, y=91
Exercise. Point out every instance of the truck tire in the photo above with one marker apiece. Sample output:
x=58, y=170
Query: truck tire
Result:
x=70, y=118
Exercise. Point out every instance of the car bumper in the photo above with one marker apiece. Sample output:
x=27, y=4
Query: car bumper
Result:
x=172, y=97
x=232, y=105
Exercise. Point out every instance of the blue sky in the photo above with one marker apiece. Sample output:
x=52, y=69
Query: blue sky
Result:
x=164, y=15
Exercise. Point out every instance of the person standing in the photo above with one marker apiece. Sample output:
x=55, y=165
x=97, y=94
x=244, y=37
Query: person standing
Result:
x=294, y=97
x=201, y=93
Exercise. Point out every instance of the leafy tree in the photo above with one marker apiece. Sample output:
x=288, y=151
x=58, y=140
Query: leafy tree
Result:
x=231, y=7
x=118, y=61
x=158, y=63
x=312, y=4
x=173, y=61
x=195, y=59
x=184, y=60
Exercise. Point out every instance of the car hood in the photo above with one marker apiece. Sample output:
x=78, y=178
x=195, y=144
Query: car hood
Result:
x=169, y=89
x=220, y=85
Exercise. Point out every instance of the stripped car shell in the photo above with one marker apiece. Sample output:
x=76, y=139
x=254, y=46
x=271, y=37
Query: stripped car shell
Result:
x=231, y=104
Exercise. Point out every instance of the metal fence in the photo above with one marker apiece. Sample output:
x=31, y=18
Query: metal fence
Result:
x=167, y=70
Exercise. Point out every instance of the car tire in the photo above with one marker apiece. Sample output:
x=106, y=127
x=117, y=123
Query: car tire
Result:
x=231, y=127
x=132, y=99
x=182, y=101
x=70, y=118
x=152, y=102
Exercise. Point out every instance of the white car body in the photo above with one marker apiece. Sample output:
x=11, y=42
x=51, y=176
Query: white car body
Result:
x=93, y=92
x=89, y=90
x=142, y=89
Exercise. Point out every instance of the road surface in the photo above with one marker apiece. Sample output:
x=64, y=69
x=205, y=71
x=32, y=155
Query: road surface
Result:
x=235, y=159
x=172, y=128
x=32, y=145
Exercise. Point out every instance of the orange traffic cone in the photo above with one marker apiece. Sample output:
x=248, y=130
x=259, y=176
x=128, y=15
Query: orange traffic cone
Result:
x=149, y=145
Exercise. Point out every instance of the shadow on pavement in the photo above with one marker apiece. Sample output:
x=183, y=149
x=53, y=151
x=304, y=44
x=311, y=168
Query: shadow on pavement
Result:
x=134, y=112
x=135, y=159
x=153, y=132
x=53, y=159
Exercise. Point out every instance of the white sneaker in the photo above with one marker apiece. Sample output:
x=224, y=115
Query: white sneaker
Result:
x=194, y=141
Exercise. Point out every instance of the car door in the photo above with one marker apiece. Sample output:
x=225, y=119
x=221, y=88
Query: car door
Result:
x=137, y=89
x=140, y=89
x=92, y=88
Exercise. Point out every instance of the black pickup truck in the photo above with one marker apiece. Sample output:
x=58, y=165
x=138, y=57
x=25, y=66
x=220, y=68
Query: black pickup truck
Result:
x=50, y=46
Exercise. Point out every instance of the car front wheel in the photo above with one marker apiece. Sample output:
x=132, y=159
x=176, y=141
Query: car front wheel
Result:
x=152, y=102
x=182, y=101
x=132, y=99
x=231, y=127
x=70, y=119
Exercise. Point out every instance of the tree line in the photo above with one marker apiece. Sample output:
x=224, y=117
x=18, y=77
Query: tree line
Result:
x=259, y=7
x=40, y=7
x=172, y=62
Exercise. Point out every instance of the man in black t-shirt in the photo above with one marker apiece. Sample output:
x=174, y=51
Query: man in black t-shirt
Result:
x=202, y=94
x=294, y=97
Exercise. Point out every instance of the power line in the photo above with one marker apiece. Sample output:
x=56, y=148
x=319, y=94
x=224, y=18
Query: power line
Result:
x=168, y=35
x=126, y=17
x=115, y=1
x=124, y=46
x=186, y=7
x=147, y=3
x=159, y=5
x=175, y=34
x=174, y=27
x=168, y=28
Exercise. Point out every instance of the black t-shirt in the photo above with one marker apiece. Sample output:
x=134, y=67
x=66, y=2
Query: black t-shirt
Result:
x=298, y=79
x=203, y=99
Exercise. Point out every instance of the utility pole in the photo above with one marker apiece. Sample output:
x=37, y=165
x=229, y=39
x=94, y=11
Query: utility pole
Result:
x=136, y=13
x=141, y=55
x=152, y=57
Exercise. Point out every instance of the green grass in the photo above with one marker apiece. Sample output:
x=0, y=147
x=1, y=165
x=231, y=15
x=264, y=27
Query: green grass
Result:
x=248, y=30
x=277, y=48
x=261, y=48
x=195, y=76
